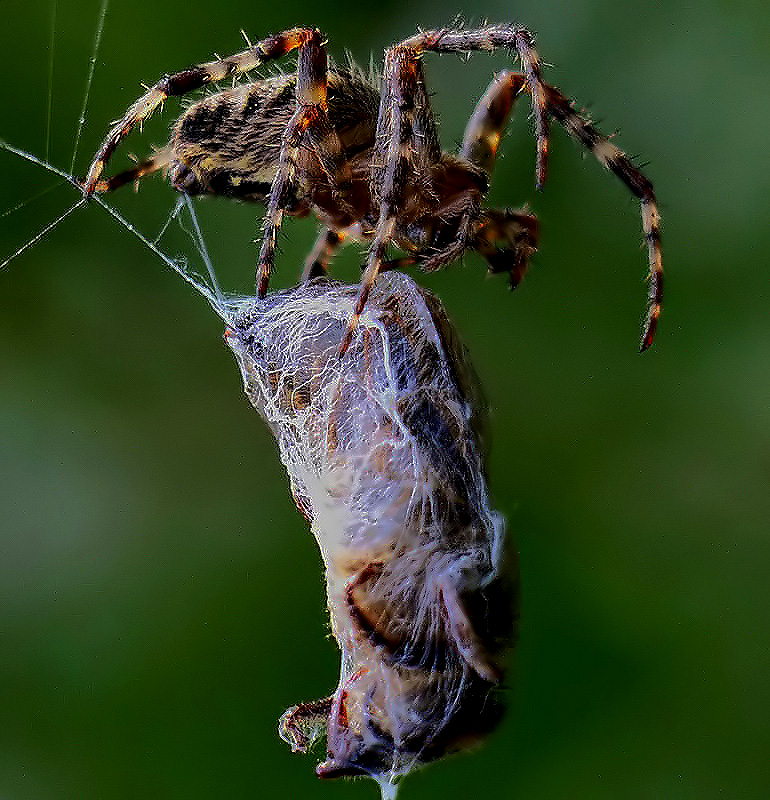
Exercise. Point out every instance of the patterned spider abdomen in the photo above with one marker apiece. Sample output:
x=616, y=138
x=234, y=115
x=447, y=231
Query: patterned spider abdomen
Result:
x=229, y=142
x=383, y=453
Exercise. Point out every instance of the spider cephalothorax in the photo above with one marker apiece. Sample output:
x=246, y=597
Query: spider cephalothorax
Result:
x=368, y=161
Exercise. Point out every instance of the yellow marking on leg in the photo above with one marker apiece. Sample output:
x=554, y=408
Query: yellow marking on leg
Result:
x=606, y=152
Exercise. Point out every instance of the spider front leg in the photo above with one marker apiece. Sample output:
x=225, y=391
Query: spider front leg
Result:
x=188, y=80
x=310, y=123
x=160, y=160
x=407, y=146
x=490, y=38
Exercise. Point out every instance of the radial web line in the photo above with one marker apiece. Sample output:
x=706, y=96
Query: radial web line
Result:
x=91, y=68
x=51, y=44
x=202, y=247
x=171, y=217
x=32, y=199
x=199, y=287
x=48, y=228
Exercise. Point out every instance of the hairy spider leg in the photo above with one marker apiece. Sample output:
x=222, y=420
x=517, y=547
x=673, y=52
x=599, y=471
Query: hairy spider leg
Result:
x=407, y=145
x=325, y=248
x=489, y=119
x=187, y=80
x=482, y=137
x=406, y=133
x=310, y=121
x=160, y=160
x=515, y=228
x=617, y=162
x=490, y=38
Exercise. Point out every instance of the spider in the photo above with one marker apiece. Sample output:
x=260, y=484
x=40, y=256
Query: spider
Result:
x=368, y=162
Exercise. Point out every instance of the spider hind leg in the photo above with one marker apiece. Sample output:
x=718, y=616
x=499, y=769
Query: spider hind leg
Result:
x=617, y=162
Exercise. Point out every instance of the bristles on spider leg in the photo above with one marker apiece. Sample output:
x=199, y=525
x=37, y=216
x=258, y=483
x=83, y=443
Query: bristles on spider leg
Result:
x=650, y=327
x=617, y=162
x=376, y=258
x=651, y=225
x=530, y=61
x=263, y=279
x=363, y=296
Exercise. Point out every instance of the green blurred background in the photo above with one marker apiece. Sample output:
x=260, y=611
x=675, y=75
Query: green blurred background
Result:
x=161, y=600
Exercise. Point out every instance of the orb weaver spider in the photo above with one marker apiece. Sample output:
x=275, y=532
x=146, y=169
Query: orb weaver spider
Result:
x=368, y=162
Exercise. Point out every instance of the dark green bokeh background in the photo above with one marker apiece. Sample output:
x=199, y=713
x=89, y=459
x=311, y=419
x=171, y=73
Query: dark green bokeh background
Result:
x=161, y=599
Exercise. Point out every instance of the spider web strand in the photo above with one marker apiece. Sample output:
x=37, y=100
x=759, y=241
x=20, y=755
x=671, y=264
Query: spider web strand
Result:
x=89, y=80
x=171, y=217
x=201, y=245
x=202, y=289
x=48, y=228
x=36, y=196
x=51, y=44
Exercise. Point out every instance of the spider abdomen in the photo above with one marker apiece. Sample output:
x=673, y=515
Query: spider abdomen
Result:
x=229, y=143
